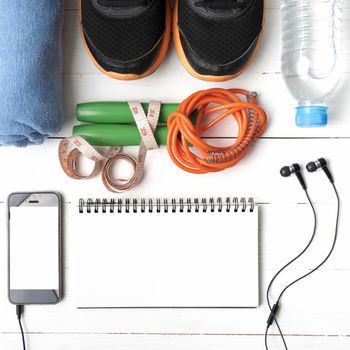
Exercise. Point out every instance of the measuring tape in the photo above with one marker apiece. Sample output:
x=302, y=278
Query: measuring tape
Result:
x=70, y=149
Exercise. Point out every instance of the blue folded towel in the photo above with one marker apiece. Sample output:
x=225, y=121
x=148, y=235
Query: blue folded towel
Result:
x=30, y=70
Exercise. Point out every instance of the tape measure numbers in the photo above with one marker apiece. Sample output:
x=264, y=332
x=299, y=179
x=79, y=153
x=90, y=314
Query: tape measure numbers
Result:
x=70, y=149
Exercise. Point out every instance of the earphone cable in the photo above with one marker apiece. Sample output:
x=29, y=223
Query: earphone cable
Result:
x=282, y=269
x=329, y=253
x=310, y=272
x=280, y=332
x=300, y=254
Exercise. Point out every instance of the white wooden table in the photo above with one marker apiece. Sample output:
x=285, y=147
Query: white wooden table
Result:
x=314, y=315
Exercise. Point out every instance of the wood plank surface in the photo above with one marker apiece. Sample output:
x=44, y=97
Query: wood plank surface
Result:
x=314, y=315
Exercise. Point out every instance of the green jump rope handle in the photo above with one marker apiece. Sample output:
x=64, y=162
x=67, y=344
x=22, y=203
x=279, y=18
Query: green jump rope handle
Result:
x=117, y=112
x=116, y=134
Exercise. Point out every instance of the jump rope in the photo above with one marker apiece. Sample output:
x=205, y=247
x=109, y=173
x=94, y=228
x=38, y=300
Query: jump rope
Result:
x=183, y=136
x=285, y=172
x=250, y=117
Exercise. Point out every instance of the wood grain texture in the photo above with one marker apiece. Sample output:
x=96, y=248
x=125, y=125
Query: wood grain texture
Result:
x=257, y=175
x=169, y=342
x=315, y=314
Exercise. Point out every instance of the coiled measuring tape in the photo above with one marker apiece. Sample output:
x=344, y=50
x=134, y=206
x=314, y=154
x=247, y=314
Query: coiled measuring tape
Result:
x=70, y=149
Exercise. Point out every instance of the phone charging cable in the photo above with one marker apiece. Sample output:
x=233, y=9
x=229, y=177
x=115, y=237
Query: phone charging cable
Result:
x=19, y=313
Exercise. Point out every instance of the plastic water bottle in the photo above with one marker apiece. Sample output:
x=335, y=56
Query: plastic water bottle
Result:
x=311, y=55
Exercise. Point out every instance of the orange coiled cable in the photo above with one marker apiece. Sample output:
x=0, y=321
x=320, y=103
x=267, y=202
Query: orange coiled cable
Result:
x=184, y=136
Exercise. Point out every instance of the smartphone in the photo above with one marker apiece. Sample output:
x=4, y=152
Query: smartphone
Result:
x=34, y=248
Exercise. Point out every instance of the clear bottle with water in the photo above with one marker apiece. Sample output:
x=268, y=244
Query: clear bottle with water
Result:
x=312, y=55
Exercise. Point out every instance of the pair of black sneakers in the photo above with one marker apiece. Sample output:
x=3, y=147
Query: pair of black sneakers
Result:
x=215, y=39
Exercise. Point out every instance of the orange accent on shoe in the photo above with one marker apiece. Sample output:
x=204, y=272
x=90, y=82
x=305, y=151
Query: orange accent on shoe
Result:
x=162, y=52
x=213, y=78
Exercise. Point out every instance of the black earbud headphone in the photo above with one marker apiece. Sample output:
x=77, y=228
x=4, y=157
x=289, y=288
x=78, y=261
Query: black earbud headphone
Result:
x=287, y=171
x=320, y=163
x=311, y=167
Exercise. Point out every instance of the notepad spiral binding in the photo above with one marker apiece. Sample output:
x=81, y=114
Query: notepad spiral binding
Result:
x=158, y=205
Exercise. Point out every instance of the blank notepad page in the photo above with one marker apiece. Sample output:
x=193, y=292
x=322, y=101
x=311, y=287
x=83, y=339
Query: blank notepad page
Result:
x=182, y=259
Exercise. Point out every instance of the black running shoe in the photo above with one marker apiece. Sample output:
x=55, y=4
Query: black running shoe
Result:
x=126, y=39
x=217, y=39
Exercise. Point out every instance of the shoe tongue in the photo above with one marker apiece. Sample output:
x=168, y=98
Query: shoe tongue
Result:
x=221, y=7
x=121, y=8
x=123, y=3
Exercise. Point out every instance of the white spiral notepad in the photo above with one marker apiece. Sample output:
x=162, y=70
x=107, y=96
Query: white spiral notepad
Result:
x=166, y=253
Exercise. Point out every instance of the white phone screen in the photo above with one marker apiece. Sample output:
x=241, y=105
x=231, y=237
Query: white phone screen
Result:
x=34, y=253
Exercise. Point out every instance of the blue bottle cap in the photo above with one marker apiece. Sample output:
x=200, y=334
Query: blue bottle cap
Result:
x=311, y=116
